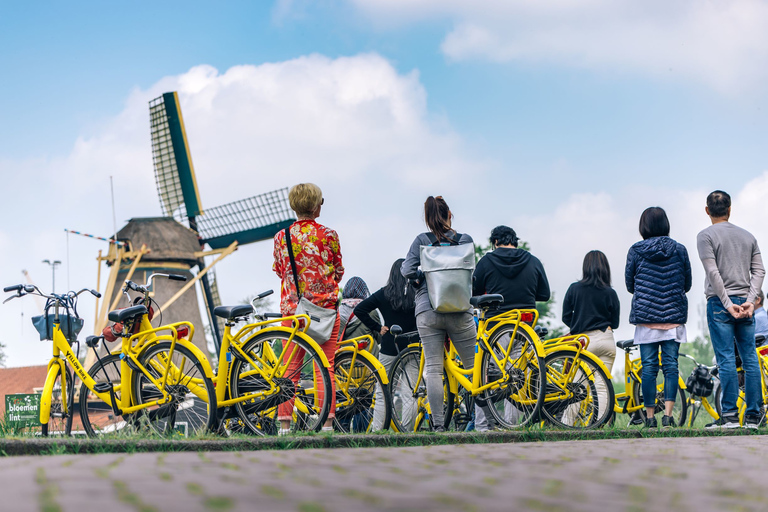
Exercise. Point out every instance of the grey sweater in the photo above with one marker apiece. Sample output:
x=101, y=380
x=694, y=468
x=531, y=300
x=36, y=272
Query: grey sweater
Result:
x=410, y=268
x=732, y=262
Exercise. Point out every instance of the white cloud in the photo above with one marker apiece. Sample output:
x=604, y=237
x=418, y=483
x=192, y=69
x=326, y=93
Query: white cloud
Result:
x=353, y=125
x=723, y=43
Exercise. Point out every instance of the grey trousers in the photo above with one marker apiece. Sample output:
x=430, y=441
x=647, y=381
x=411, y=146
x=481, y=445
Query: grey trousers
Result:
x=433, y=327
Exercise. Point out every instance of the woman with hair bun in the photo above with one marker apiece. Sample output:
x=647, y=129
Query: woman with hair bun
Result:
x=433, y=327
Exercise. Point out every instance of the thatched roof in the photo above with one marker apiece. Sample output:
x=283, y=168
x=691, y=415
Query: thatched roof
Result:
x=167, y=239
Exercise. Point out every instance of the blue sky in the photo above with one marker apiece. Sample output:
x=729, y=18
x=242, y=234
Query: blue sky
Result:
x=562, y=121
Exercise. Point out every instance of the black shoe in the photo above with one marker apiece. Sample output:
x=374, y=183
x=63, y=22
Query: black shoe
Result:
x=751, y=421
x=651, y=423
x=668, y=421
x=724, y=422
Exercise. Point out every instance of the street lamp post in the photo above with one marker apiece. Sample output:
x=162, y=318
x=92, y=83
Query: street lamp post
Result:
x=53, y=265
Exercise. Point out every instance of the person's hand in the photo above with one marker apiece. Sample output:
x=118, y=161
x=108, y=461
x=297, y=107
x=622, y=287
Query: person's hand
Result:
x=735, y=311
x=747, y=309
x=384, y=330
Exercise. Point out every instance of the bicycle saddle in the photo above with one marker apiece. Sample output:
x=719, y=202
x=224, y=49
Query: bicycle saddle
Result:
x=481, y=301
x=229, y=312
x=625, y=344
x=121, y=315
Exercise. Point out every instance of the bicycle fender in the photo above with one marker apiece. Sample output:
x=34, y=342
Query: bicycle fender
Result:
x=54, y=368
x=371, y=359
x=597, y=361
x=312, y=343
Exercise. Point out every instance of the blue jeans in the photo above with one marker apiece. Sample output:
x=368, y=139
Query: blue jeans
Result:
x=723, y=329
x=649, y=353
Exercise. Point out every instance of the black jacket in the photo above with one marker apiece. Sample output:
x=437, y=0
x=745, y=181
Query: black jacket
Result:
x=589, y=308
x=658, y=273
x=516, y=274
x=404, y=318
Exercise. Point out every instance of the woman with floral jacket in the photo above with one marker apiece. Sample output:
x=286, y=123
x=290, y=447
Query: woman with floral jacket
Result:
x=317, y=253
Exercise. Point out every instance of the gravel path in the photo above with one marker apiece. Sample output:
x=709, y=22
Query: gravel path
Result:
x=681, y=474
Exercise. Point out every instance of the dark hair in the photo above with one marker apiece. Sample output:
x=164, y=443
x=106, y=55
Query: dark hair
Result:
x=654, y=222
x=437, y=215
x=503, y=235
x=718, y=203
x=596, y=271
x=397, y=291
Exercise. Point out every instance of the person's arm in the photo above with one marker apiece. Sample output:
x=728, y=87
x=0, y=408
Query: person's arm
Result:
x=364, y=309
x=478, y=279
x=615, y=310
x=542, y=287
x=707, y=257
x=629, y=271
x=410, y=267
x=333, y=243
x=758, y=274
x=687, y=265
x=568, y=307
x=277, y=254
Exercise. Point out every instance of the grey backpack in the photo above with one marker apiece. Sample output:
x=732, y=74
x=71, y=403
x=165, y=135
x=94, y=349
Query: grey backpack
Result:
x=448, y=267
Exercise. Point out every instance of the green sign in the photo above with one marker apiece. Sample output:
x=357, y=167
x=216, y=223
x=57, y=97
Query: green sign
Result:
x=22, y=410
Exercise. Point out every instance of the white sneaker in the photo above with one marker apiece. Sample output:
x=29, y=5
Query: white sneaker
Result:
x=284, y=432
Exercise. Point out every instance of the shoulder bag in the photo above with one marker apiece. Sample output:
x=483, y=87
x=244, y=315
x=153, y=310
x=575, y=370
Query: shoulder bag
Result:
x=323, y=320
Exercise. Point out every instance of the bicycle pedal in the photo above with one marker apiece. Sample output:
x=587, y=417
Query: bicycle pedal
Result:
x=103, y=387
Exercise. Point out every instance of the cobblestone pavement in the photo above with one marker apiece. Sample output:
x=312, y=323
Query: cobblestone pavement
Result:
x=681, y=474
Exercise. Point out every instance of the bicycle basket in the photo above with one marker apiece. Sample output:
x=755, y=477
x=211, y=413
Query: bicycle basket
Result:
x=700, y=382
x=70, y=326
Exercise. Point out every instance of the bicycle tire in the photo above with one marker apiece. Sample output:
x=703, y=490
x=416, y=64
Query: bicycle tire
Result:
x=404, y=396
x=188, y=413
x=359, y=402
x=62, y=425
x=579, y=411
x=97, y=416
x=526, y=380
x=679, y=411
x=260, y=416
x=459, y=410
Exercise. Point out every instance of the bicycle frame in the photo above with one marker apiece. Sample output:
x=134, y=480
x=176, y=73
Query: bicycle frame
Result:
x=632, y=368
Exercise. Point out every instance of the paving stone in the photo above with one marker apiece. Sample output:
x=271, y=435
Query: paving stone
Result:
x=682, y=474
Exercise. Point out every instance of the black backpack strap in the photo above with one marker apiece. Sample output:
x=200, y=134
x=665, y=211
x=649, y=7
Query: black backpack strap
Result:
x=293, y=260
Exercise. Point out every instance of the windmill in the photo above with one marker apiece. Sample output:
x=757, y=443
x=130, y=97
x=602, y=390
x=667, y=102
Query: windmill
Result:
x=221, y=228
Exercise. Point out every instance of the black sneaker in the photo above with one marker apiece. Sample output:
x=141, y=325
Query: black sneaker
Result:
x=751, y=421
x=724, y=422
x=651, y=423
x=668, y=421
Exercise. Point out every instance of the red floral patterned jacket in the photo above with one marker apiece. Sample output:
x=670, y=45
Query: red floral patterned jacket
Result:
x=317, y=253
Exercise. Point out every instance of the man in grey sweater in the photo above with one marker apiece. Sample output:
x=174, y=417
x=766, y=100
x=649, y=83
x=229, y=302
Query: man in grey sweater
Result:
x=734, y=275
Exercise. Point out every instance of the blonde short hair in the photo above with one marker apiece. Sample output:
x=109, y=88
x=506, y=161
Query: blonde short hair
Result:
x=304, y=198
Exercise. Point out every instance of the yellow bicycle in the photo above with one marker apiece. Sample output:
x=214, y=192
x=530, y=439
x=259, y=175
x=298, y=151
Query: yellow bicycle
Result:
x=156, y=365
x=508, y=372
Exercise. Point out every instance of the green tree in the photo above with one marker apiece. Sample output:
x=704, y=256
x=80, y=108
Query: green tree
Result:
x=547, y=316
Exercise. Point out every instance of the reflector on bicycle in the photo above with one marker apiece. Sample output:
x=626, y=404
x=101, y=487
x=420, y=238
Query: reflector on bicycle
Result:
x=526, y=317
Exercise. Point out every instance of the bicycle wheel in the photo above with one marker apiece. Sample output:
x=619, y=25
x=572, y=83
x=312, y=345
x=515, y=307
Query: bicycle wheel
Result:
x=591, y=399
x=518, y=400
x=97, y=416
x=304, y=385
x=192, y=406
x=679, y=410
x=360, y=392
x=60, y=421
x=459, y=410
x=408, y=392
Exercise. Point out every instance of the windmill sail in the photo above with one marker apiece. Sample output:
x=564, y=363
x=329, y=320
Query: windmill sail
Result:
x=174, y=173
x=246, y=221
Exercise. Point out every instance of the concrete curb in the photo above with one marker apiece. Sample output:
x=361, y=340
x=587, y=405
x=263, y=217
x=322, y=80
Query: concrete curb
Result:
x=16, y=447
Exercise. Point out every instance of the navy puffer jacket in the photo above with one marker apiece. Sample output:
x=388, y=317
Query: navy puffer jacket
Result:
x=658, y=274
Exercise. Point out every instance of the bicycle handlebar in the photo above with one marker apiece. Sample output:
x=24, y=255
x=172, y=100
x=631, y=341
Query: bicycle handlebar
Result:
x=145, y=287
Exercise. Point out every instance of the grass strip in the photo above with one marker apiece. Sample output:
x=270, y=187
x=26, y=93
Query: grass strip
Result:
x=136, y=444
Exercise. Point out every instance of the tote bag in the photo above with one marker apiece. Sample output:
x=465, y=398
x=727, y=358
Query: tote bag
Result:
x=322, y=319
x=448, y=270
